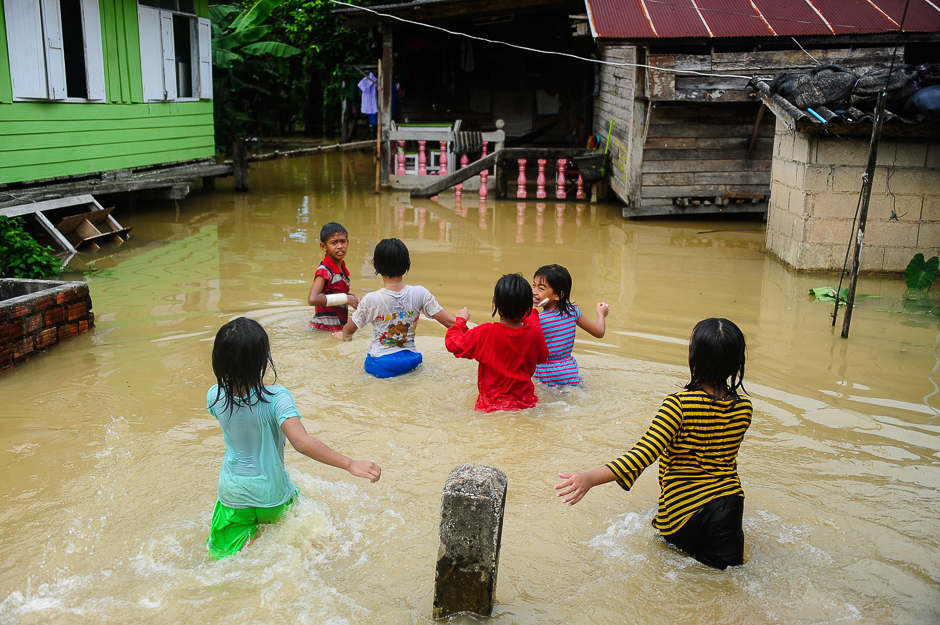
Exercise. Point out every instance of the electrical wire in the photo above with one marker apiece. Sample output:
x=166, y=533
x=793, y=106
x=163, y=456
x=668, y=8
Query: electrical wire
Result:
x=526, y=48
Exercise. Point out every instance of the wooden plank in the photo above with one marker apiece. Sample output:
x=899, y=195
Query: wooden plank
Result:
x=74, y=222
x=743, y=177
x=109, y=44
x=45, y=156
x=687, y=83
x=654, y=211
x=706, y=165
x=693, y=62
x=662, y=84
x=711, y=190
x=650, y=156
x=32, y=128
x=34, y=207
x=55, y=234
x=320, y=149
x=67, y=111
x=131, y=59
x=715, y=95
x=703, y=131
x=120, y=8
x=720, y=143
x=139, y=158
x=669, y=143
x=673, y=179
x=791, y=60
x=92, y=139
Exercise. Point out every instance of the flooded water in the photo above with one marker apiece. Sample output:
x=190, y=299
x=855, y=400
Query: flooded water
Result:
x=110, y=460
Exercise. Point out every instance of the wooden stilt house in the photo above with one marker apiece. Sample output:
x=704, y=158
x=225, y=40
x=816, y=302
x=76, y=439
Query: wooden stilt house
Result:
x=690, y=134
x=91, y=86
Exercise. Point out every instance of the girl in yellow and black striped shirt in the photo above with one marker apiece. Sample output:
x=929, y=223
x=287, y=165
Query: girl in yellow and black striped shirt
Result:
x=696, y=435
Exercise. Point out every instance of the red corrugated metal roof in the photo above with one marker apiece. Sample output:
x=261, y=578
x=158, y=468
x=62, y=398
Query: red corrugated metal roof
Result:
x=645, y=19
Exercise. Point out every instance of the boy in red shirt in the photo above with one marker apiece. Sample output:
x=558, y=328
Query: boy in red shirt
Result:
x=507, y=351
x=330, y=291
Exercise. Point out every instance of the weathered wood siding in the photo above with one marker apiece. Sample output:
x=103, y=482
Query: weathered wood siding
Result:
x=701, y=151
x=40, y=140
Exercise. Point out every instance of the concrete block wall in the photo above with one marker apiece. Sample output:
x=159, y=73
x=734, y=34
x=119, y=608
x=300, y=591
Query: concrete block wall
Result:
x=814, y=194
x=37, y=314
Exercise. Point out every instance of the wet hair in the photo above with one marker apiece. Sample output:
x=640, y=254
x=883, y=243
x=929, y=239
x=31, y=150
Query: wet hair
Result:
x=330, y=229
x=241, y=355
x=512, y=297
x=716, y=356
x=559, y=279
x=391, y=258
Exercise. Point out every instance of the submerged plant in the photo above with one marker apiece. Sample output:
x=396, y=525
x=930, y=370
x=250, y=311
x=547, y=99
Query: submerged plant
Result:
x=920, y=273
x=21, y=256
x=828, y=294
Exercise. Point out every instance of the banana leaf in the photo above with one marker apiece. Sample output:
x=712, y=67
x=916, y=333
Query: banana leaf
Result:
x=256, y=14
x=920, y=273
x=273, y=48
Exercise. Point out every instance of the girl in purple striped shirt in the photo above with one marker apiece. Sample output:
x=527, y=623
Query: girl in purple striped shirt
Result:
x=552, y=291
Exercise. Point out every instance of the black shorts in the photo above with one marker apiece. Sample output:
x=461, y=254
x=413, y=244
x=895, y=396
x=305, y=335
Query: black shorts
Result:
x=714, y=535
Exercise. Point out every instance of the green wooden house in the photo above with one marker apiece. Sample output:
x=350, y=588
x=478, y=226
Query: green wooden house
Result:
x=89, y=86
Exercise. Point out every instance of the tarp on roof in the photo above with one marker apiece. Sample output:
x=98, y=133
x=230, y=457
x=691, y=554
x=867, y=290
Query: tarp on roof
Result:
x=647, y=19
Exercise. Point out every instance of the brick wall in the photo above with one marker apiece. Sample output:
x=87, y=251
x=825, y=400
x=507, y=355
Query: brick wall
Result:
x=814, y=194
x=36, y=314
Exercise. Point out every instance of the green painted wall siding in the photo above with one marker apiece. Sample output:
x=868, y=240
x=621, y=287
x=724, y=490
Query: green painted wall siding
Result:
x=6, y=83
x=40, y=140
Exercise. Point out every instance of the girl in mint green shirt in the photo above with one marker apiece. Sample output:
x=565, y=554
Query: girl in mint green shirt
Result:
x=257, y=420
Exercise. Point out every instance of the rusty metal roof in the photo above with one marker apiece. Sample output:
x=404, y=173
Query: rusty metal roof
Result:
x=647, y=19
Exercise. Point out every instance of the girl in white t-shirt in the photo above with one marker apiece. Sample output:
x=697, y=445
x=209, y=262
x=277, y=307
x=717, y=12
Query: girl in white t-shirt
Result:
x=393, y=312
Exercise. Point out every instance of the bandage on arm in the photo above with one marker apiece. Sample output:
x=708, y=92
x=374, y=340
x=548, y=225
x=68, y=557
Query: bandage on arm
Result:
x=336, y=299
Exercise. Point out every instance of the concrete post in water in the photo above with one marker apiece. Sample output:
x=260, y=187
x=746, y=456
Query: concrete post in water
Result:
x=521, y=181
x=560, y=181
x=540, y=181
x=401, y=158
x=471, y=532
x=240, y=165
x=443, y=170
x=422, y=159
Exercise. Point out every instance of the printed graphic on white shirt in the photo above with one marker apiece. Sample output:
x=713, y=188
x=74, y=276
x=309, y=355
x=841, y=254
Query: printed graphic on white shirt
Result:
x=394, y=317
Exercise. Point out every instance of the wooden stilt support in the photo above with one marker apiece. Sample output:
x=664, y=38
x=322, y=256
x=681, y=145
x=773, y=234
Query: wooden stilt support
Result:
x=240, y=166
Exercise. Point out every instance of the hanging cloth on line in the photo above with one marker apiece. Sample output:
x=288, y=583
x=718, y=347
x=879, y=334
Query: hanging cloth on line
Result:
x=369, y=88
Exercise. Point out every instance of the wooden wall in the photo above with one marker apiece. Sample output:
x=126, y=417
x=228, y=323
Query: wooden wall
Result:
x=697, y=152
x=40, y=140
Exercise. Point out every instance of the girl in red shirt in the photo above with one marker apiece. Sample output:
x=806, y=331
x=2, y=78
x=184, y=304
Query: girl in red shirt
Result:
x=507, y=351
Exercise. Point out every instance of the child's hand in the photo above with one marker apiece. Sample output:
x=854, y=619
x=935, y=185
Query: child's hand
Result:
x=602, y=309
x=341, y=335
x=463, y=313
x=352, y=300
x=366, y=469
x=576, y=485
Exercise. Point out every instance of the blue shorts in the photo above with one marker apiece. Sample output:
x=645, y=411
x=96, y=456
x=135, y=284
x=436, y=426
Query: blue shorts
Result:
x=393, y=364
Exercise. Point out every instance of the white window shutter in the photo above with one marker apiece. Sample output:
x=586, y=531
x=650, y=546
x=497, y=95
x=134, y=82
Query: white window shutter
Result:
x=26, y=47
x=151, y=53
x=204, y=45
x=169, y=55
x=55, y=55
x=94, y=53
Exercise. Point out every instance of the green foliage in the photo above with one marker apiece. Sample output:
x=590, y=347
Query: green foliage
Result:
x=828, y=294
x=920, y=273
x=21, y=256
x=279, y=64
x=250, y=69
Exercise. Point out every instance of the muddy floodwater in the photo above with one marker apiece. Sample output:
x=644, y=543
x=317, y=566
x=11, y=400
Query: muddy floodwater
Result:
x=110, y=461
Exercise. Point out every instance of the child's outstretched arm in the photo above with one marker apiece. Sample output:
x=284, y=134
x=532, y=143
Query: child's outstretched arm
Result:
x=444, y=318
x=347, y=332
x=577, y=485
x=321, y=452
x=597, y=330
x=459, y=341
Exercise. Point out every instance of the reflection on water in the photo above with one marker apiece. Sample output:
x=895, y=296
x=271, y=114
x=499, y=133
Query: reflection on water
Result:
x=110, y=460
